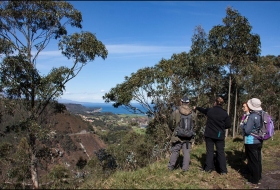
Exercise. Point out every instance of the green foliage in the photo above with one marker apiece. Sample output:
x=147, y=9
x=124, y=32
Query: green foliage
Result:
x=21, y=162
x=99, y=123
x=59, y=172
x=60, y=178
x=233, y=41
x=113, y=137
x=134, y=123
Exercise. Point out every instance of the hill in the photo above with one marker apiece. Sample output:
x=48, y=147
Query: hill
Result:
x=81, y=134
x=80, y=109
x=71, y=139
x=157, y=176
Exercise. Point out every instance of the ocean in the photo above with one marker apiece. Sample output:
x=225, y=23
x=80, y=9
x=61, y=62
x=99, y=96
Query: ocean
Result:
x=108, y=107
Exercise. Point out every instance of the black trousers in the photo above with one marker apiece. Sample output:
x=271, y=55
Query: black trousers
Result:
x=254, y=156
x=221, y=158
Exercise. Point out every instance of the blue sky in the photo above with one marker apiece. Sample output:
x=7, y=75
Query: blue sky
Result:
x=139, y=34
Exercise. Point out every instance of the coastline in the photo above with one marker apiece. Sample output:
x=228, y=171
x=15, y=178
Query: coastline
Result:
x=108, y=107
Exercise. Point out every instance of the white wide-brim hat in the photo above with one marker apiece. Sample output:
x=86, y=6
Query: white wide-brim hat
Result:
x=254, y=104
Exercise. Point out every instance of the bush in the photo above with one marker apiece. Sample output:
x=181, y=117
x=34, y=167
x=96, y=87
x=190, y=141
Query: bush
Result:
x=81, y=163
x=133, y=152
x=59, y=172
x=106, y=160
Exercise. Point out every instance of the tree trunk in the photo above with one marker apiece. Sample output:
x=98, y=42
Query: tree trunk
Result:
x=228, y=107
x=34, y=172
x=234, y=118
x=278, y=121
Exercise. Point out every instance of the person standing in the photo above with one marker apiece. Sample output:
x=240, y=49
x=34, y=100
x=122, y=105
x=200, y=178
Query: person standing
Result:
x=245, y=116
x=178, y=143
x=217, y=121
x=253, y=146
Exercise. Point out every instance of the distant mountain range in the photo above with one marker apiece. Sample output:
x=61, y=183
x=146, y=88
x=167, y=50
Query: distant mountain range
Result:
x=77, y=108
x=67, y=101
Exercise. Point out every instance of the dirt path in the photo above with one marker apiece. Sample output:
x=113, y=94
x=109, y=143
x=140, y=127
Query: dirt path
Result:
x=270, y=180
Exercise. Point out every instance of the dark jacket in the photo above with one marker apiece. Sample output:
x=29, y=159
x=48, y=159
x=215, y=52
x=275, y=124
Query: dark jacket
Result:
x=175, y=119
x=217, y=121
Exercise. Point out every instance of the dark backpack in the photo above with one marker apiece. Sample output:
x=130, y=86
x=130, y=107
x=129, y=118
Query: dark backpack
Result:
x=185, y=128
x=266, y=130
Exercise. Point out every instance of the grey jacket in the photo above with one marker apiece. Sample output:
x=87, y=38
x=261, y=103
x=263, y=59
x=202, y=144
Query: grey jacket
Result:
x=253, y=122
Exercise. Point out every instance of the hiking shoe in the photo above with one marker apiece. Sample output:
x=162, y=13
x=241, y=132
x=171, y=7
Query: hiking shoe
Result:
x=170, y=169
x=253, y=185
x=223, y=173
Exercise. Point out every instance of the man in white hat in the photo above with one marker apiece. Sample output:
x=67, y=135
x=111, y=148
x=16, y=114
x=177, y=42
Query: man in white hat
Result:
x=253, y=145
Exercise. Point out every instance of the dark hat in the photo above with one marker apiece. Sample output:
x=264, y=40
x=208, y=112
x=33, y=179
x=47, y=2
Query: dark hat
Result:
x=185, y=99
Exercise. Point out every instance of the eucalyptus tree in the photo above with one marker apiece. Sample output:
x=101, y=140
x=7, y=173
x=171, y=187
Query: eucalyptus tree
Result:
x=198, y=60
x=235, y=46
x=263, y=82
x=152, y=87
x=157, y=89
x=206, y=75
x=27, y=27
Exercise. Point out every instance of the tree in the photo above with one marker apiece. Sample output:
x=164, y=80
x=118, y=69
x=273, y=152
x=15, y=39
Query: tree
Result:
x=263, y=83
x=158, y=89
x=206, y=74
x=27, y=27
x=235, y=46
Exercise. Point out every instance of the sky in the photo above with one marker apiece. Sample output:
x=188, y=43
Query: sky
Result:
x=139, y=34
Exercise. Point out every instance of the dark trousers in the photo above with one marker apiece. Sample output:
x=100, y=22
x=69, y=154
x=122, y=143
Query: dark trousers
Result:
x=221, y=158
x=254, y=156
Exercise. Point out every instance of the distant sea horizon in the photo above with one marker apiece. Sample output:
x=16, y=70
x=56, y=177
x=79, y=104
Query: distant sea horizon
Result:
x=108, y=107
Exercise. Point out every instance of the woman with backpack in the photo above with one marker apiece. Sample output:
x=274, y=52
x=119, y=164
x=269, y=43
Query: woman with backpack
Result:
x=253, y=145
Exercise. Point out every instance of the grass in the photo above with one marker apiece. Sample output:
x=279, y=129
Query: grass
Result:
x=157, y=176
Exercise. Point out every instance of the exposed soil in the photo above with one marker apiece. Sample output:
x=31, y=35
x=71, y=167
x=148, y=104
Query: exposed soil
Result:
x=271, y=179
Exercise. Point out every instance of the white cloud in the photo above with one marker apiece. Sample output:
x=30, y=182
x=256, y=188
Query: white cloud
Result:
x=132, y=48
x=123, y=49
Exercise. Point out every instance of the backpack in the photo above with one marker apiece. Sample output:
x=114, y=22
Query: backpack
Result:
x=185, y=128
x=266, y=130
